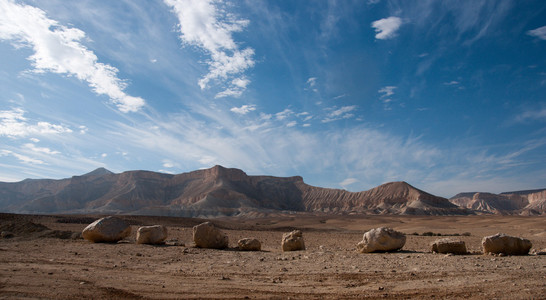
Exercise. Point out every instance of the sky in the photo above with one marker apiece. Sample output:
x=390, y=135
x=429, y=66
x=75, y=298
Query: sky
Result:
x=449, y=96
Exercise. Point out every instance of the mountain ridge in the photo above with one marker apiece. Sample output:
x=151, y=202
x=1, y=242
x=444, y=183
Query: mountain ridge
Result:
x=217, y=191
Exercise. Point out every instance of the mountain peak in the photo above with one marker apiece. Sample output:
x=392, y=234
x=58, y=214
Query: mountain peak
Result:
x=98, y=172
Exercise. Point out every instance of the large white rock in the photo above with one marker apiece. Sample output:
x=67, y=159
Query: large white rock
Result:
x=505, y=244
x=449, y=246
x=293, y=241
x=106, y=230
x=205, y=235
x=155, y=234
x=248, y=244
x=381, y=240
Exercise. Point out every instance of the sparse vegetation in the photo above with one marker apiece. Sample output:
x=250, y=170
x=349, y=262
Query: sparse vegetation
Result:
x=430, y=233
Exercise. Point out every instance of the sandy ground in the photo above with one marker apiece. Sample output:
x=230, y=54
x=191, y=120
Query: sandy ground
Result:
x=33, y=266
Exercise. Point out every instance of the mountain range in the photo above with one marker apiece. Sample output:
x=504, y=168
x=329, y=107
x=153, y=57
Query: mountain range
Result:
x=220, y=191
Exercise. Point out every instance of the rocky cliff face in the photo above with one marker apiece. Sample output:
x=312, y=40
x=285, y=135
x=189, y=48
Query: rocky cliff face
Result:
x=212, y=192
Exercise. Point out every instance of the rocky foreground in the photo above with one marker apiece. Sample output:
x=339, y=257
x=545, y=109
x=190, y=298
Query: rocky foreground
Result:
x=34, y=265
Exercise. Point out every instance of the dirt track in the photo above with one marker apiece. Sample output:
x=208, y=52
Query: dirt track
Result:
x=32, y=266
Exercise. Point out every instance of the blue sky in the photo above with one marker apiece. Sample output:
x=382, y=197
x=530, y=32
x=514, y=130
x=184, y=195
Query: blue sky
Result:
x=449, y=96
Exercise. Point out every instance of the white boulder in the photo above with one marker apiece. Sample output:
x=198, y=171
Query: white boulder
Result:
x=449, y=246
x=248, y=244
x=205, y=235
x=155, y=234
x=293, y=241
x=106, y=230
x=505, y=244
x=381, y=239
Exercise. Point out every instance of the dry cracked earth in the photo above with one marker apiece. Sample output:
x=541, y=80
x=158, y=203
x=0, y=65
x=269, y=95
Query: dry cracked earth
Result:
x=54, y=264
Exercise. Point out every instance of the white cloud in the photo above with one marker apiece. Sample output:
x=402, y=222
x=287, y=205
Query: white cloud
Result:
x=34, y=140
x=83, y=129
x=312, y=81
x=235, y=90
x=243, y=110
x=348, y=181
x=291, y=124
x=340, y=96
x=386, y=28
x=265, y=117
x=340, y=113
x=22, y=158
x=284, y=114
x=167, y=163
x=57, y=49
x=539, y=32
x=531, y=115
x=104, y=155
x=229, y=92
x=453, y=82
x=387, y=91
x=207, y=26
x=14, y=124
x=44, y=150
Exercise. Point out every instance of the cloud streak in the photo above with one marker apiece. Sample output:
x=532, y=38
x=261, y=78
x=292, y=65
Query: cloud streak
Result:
x=539, y=33
x=207, y=26
x=58, y=49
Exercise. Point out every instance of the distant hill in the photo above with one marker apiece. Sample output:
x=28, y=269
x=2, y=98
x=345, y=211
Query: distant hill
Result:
x=530, y=202
x=217, y=191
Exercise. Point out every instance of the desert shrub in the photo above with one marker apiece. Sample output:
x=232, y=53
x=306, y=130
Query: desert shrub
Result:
x=466, y=234
x=428, y=233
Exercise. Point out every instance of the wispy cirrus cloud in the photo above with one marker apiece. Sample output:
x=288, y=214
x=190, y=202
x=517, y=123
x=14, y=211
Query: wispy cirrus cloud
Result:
x=348, y=181
x=386, y=91
x=538, y=32
x=339, y=113
x=532, y=115
x=386, y=28
x=58, y=49
x=36, y=149
x=22, y=158
x=203, y=23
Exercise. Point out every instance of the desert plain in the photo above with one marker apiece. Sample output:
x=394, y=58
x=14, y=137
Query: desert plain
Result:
x=54, y=264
